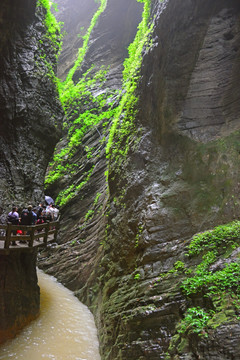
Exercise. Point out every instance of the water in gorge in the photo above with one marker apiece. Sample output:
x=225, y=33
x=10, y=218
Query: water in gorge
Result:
x=65, y=329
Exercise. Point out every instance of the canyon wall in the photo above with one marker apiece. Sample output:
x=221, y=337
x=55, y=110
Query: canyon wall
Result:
x=128, y=218
x=30, y=126
x=31, y=116
x=20, y=293
x=124, y=241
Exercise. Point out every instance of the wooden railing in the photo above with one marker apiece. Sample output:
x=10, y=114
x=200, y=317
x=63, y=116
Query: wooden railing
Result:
x=34, y=233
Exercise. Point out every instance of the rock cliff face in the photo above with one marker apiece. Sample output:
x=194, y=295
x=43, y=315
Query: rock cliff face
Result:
x=76, y=16
x=89, y=233
x=30, y=124
x=124, y=253
x=20, y=294
x=124, y=236
x=30, y=114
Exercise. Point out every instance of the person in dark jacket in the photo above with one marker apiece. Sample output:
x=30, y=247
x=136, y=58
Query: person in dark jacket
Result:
x=27, y=218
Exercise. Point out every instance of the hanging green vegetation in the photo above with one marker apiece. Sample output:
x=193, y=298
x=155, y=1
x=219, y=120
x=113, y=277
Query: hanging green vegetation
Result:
x=215, y=278
x=195, y=321
x=222, y=235
x=78, y=124
x=211, y=245
x=85, y=110
x=83, y=49
x=219, y=284
x=126, y=110
x=52, y=25
x=75, y=98
x=73, y=190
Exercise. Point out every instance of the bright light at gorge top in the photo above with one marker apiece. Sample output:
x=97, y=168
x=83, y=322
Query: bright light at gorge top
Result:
x=106, y=108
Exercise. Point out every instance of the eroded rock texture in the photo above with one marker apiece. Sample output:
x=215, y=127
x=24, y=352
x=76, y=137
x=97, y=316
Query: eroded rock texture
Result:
x=85, y=238
x=20, y=293
x=29, y=110
x=182, y=178
x=76, y=16
x=30, y=123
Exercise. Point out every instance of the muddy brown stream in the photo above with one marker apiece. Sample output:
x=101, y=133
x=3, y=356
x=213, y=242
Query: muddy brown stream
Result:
x=65, y=329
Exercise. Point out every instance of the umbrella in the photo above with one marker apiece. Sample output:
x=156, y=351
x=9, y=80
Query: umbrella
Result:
x=49, y=200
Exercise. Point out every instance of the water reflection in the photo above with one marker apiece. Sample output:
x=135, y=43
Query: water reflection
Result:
x=65, y=329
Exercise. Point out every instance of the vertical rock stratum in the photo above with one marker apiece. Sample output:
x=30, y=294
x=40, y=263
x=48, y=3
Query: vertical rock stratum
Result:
x=30, y=125
x=31, y=115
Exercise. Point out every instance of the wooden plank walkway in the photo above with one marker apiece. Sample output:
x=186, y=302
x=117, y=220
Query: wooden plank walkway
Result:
x=35, y=236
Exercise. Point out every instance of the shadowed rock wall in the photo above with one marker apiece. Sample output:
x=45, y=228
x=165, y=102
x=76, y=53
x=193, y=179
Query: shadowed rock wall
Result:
x=76, y=16
x=29, y=111
x=20, y=294
x=30, y=125
x=111, y=37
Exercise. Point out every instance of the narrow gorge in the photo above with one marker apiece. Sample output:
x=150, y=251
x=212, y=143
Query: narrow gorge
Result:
x=127, y=113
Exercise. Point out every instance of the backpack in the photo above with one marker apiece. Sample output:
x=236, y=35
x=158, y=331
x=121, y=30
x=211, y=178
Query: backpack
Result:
x=12, y=218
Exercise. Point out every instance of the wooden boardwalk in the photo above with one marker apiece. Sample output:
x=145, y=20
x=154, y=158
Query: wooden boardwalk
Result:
x=36, y=236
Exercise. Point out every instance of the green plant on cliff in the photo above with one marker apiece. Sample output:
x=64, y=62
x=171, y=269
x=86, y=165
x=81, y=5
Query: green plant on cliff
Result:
x=44, y=60
x=122, y=128
x=52, y=25
x=221, y=285
x=222, y=236
x=90, y=213
x=213, y=283
x=76, y=95
x=76, y=131
x=80, y=118
x=195, y=321
x=83, y=49
x=73, y=190
x=139, y=232
x=68, y=90
x=215, y=277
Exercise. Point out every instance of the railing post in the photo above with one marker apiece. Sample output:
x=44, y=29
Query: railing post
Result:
x=30, y=244
x=46, y=234
x=56, y=231
x=8, y=236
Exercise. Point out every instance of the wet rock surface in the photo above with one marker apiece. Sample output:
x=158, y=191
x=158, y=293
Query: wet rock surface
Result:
x=178, y=182
x=31, y=115
x=30, y=126
x=182, y=178
x=20, y=293
x=76, y=233
x=76, y=16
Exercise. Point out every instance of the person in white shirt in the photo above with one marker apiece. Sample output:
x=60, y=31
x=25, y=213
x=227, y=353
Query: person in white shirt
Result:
x=55, y=212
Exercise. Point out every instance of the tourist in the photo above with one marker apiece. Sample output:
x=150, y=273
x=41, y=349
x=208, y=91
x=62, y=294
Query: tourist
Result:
x=43, y=213
x=27, y=216
x=55, y=212
x=39, y=210
x=34, y=212
x=49, y=212
x=13, y=218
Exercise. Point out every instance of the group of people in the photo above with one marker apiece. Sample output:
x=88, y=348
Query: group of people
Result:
x=32, y=216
